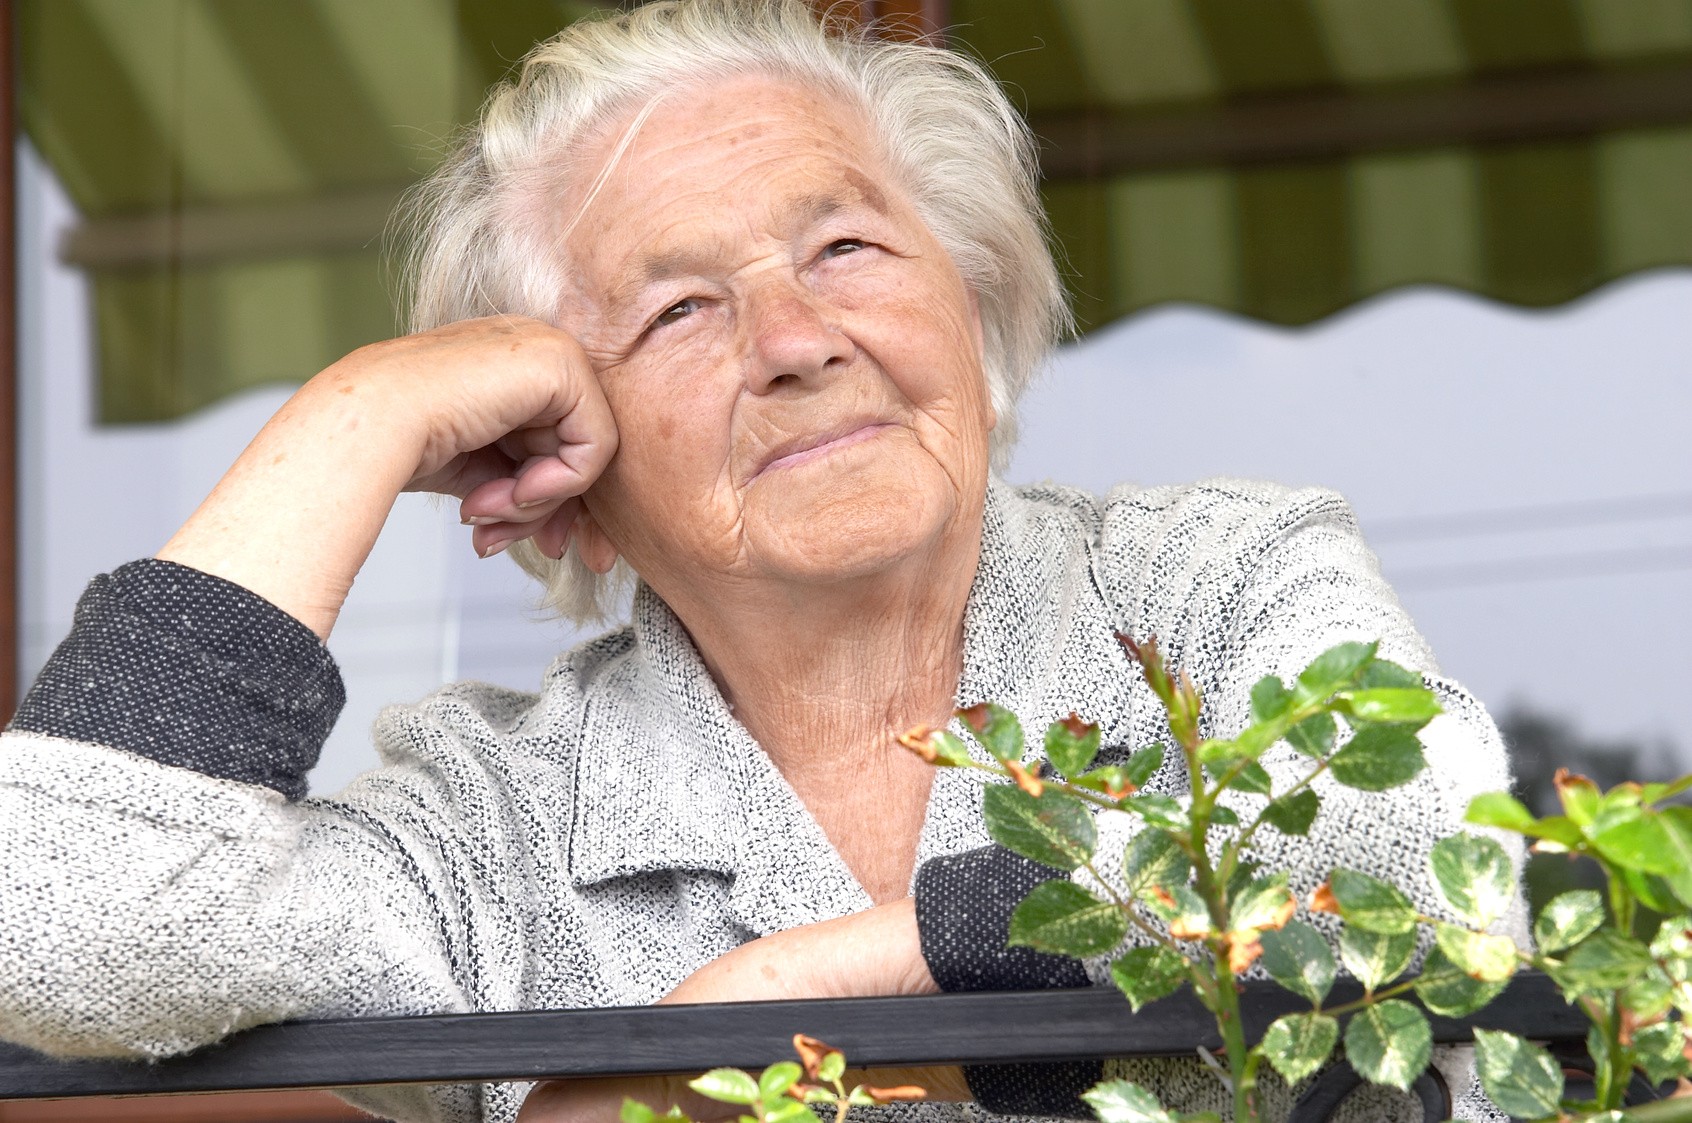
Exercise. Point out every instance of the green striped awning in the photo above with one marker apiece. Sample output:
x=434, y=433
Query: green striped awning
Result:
x=233, y=160
x=1284, y=158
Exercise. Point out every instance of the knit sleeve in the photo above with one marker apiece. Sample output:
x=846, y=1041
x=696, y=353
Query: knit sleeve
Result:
x=963, y=906
x=192, y=671
x=162, y=889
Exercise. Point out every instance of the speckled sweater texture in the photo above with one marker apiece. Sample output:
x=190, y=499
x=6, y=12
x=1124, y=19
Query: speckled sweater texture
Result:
x=597, y=842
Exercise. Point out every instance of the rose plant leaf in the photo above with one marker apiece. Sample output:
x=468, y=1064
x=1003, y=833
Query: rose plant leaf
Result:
x=1378, y=758
x=1055, y=830
x=1384, y=674
x=777, y=1079
x=1182, y=909
x=1146, y=974
x=1578, y=795
x=1371, y=903
x=1481, y=956
x=1314, y=736
x=1389, y=1043
x=1474, y=877
x=1659, y=1049
x=1118, y=1101
x=833, y=1066
x=1606, y=960
x=1635, y=838
x=1649, y=996
x=1071, y=745
x=1269, y=698
x=1264, y=903
x=726, y=1085
x=1062, y=918
x=996, y=728
x=948, y=750
x=1143, y=765
x=1159, y=810
x=1445, y=989
x=1253, y=778
x=1334, y=669
x=789, y=1111
x=1678, y=822
x=1297, y=957
x=1375, y=957
x=1154, y=858
x=1395, y=705
x=1518, y=1076
x=1653, y=891
x=1293, y=814
x=1223, y=816
x=1499, y=809
x=1298, y=1044
x=1567, y=919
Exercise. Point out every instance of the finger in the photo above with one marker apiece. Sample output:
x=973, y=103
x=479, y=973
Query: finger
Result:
x=467, y=473
x=530, y=442
x=553, y=538
x=497, y=501
x=551, y=533
x=587, y=438
x=545, y=480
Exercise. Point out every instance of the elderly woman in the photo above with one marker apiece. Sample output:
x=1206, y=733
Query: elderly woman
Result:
x=740, y=305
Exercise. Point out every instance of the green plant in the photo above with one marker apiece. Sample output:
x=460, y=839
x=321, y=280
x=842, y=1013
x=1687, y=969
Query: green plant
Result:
x=786, y=1092
x=1204, y=913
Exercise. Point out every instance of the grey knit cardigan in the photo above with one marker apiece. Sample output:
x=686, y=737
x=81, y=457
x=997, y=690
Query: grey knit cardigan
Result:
x=593, y=844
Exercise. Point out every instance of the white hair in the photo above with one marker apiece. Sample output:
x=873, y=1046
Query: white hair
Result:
x=481, y=240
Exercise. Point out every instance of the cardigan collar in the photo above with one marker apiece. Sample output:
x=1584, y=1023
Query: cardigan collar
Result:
x=669, y=780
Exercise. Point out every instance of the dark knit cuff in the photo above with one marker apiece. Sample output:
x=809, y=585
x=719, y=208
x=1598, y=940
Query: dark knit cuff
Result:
x=963, y=907
x=192, y=671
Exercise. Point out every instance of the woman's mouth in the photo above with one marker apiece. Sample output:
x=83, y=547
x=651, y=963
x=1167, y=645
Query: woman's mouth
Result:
x=815, y=448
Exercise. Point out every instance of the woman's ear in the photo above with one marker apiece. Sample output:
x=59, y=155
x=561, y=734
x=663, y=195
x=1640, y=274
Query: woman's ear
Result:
x=592, y=545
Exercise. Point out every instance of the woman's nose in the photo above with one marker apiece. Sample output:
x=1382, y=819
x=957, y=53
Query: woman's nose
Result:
x=793, y=337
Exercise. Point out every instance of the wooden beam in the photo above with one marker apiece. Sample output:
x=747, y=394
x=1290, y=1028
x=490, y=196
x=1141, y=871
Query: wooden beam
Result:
x=979, y=1028
x=1337, y=123
x=8, y=367
x=1538, y=106
x=332, y=223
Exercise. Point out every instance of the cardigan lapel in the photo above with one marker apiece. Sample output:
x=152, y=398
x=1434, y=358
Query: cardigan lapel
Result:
x=668, y=779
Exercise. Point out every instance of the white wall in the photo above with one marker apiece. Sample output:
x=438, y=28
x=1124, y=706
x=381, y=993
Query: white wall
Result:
x=1568, y=431
x=94, y=497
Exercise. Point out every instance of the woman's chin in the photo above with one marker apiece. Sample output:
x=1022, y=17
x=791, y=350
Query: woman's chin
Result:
x=842, y=526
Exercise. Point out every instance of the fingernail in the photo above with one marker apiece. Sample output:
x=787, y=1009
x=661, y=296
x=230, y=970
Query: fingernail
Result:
x=497, y=547
x=533, y=503
x=477, y=520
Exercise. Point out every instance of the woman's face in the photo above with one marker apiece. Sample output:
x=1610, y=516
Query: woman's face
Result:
x=793, y=362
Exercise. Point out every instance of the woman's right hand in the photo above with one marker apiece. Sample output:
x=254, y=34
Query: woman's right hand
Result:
x=504, y=412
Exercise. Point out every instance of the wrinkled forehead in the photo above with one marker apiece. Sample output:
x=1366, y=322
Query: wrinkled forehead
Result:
x=761, y=151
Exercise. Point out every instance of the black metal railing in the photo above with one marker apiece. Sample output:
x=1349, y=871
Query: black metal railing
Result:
x=1054, y=1025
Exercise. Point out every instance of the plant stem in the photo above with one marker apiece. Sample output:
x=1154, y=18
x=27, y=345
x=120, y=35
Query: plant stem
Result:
x=1242, y=1063
x=1677, y=1110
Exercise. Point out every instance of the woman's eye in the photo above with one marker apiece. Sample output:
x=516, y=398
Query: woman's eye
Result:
x=676, y=312
x=843, y=246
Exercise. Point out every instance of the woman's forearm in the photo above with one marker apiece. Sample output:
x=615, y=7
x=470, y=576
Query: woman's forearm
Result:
x=298, y=513
x=503, y=412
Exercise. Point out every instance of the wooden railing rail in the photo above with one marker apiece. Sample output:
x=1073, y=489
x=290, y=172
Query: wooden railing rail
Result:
x=532, y=1045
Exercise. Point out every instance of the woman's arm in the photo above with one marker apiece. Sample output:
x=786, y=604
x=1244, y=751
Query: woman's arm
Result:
x=503, y=412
